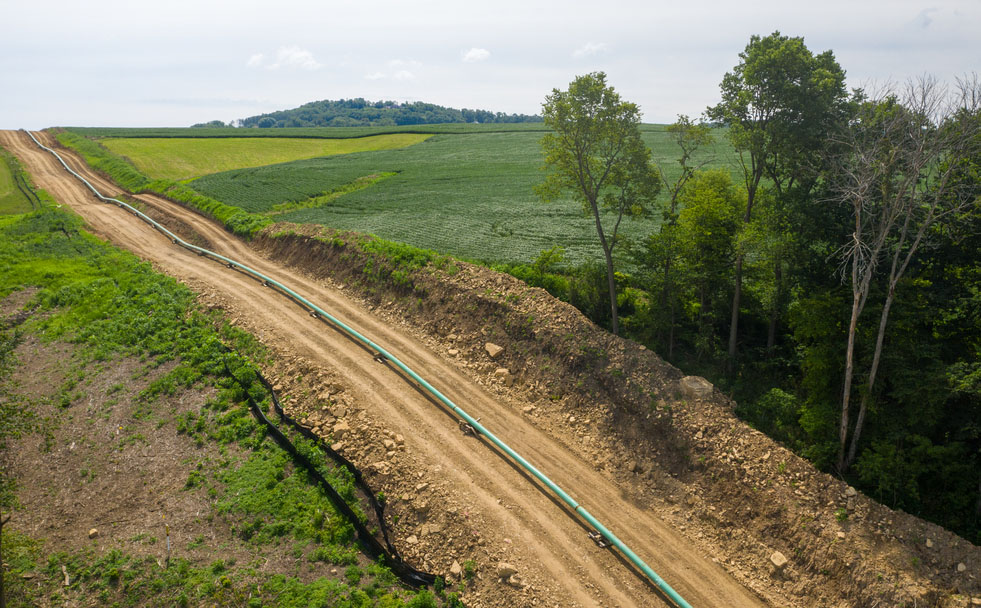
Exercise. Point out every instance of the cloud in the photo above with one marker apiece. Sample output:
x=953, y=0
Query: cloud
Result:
x=923, y=19
x=475, y=54
x=289, y=57
x=400, y=69
x=589, y=49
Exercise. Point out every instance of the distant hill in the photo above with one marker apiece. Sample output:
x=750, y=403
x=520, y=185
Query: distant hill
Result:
x=362, y=113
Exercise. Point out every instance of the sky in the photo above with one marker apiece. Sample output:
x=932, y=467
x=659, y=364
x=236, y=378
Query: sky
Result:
x=177, y=62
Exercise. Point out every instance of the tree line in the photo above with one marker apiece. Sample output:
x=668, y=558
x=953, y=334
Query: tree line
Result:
x=362, y=113
x=833, y=287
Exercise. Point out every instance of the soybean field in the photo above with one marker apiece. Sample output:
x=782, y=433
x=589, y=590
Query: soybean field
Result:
x=470, y=195
x=462, y=190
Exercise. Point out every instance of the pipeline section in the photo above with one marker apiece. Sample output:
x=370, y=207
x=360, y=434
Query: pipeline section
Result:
x=384, y=354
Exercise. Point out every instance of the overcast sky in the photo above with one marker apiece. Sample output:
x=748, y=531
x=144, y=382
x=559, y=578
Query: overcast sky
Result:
x=177, y=62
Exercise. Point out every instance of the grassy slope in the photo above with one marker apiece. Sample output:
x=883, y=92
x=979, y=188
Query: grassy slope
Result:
x=96, y=297
x=184, y=158
x=12, y=200
x=469, y=195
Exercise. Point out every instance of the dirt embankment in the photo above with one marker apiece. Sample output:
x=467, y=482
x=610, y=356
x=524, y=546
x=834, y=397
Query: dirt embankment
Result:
x=729, y=488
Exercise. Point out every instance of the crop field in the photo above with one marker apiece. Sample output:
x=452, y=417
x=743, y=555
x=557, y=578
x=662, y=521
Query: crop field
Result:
x=184, y=158
x=466, y=189
x=304, y=132
x=467, y=195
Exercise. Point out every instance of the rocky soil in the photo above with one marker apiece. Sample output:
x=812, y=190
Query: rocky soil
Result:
x=795, y=535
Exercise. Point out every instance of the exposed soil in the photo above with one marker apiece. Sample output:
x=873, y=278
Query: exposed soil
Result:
x=703, y=499
x=107, y=471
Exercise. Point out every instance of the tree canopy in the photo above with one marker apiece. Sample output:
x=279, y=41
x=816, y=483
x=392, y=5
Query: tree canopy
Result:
x=595, y=152
x=780, y=103
x=360, y=112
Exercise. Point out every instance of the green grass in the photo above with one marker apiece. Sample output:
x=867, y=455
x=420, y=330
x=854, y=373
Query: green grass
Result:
x=12, y=199
x=469, y=195
x=184, y=158
x=97, y=297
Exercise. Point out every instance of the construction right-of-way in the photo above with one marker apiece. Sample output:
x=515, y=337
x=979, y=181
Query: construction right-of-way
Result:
x=544, y=540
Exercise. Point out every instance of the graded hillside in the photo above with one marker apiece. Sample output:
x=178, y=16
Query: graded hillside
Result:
x=186, y=158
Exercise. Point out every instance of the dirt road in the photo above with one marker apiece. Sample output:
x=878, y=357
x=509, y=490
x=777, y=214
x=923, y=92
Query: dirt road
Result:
x=549, y=547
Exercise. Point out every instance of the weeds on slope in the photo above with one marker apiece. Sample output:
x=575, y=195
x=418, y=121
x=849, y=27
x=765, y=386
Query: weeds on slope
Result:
x=111, y=305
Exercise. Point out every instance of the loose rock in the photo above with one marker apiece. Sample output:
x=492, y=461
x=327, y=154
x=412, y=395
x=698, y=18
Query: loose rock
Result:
x=779, y=561
x=696, y=387
x=93, y=533
x=506, y=570
x=493, y=350
x=341, y=429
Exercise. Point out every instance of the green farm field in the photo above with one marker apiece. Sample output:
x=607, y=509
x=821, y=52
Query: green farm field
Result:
x=467, y=195
x=304, y=132
x=466, y=190
x=179, y=158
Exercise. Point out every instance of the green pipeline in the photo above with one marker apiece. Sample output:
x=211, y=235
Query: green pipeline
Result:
x=609, y=536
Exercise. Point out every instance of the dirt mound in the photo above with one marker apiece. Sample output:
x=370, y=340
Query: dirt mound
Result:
x=670, y=447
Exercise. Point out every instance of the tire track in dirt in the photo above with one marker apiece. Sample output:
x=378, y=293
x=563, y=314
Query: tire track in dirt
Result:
x=548, y=544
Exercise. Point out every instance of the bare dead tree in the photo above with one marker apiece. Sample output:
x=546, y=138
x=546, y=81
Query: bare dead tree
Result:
x=895, y=168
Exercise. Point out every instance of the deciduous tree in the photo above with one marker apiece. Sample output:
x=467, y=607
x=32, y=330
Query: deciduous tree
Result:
x=780, y=103
x=595, y=152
